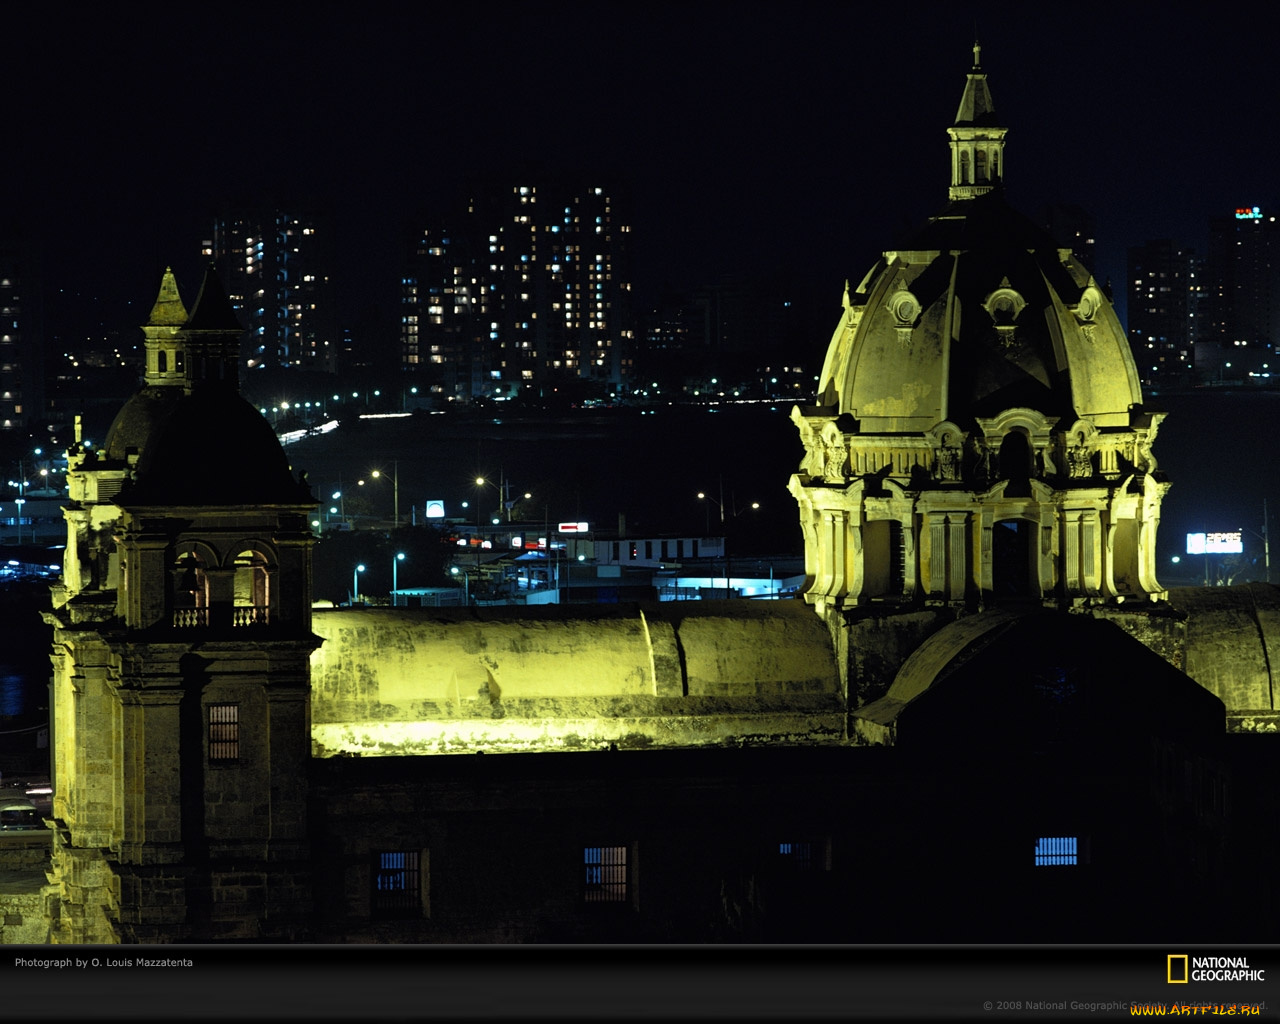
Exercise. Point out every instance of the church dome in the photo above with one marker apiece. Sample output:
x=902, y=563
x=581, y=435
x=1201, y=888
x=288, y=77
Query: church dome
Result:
x=190, y=436
x=137, y=420
x=976, y=313
x=978, y=434
x=214, y=448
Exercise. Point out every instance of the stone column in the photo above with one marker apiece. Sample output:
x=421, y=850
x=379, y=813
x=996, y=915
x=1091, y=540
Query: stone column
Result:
x=957, y=563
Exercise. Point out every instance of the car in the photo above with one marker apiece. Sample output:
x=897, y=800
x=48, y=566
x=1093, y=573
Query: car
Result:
x=19, y=815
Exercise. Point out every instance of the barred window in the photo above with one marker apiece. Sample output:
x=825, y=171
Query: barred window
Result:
x=606, y=874
x=799, y=854
x=810, y=855
x=224, y=733
x=1057, y=850
x=397, y=884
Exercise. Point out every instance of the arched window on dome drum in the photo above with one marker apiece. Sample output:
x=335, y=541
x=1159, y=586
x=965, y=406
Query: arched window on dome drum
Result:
x=189, y=590
x=1015, y=464
x=162, y=361
x=252, y=598
x=980, y=165
x=964, y=169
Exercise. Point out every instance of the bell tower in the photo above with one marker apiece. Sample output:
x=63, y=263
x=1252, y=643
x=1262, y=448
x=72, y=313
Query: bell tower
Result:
x=181, y=682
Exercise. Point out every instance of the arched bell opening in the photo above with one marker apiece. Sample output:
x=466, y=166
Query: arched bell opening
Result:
x=189, y=588
x=252, y=589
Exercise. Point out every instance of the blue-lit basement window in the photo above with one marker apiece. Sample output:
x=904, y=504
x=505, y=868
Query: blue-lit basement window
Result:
x=606, y=880
x=397, y=884
x=1054, y=850
x=800, y=854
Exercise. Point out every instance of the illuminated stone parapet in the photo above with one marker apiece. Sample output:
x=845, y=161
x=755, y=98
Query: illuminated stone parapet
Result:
x=394, y=682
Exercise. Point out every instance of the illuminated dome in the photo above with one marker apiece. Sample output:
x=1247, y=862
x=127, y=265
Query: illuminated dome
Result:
x=979, y=312
x=978, y=435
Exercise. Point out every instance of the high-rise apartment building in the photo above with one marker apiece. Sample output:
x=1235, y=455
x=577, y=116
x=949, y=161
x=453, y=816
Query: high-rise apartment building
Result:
x=21, y=359
x=1162, y=296
x=1241, y=326
x=275, y=264
x=524, y=289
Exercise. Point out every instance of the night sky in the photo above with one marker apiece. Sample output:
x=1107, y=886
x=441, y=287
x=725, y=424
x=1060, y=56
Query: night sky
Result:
x=805, y=142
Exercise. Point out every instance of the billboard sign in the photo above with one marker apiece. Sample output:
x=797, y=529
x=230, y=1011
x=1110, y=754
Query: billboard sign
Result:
x=573, y=528
x=1215, y=543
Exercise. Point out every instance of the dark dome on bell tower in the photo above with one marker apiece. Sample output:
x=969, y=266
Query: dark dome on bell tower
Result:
x=214, y=448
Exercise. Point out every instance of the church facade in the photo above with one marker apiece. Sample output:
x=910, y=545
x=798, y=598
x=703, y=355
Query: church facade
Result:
x=985, y=708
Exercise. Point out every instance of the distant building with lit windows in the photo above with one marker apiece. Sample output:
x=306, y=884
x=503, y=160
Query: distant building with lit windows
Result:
x=21, y=358
x=523, y=289
x=1241, y=324
x=275, y=265
x=1162, y=294
x=723, y=340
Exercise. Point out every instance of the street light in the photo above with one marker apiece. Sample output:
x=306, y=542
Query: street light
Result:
x=395, y=487
x=21, y=500
x=355, y=584
x=482, y=482
x=503, y=487
x=724, y=538
x=466, y=586
x=395, y=585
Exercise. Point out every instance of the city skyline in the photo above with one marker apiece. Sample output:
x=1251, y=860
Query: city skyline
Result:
x=978, y=500
x=723, y=130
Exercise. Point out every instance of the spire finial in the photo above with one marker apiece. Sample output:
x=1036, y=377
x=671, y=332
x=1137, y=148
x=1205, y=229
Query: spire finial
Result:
x=977, y=55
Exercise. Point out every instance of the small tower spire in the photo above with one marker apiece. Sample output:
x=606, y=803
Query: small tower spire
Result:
x=160, y=334
x=977, y=140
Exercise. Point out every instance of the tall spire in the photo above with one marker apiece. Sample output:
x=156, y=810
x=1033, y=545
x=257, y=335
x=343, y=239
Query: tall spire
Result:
x=977, y=140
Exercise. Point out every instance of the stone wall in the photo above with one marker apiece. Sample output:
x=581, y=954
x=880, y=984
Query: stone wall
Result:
x=394, y=682
x=24, y=888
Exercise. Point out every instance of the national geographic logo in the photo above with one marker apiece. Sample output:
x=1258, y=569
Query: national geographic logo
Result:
x=1183, y=968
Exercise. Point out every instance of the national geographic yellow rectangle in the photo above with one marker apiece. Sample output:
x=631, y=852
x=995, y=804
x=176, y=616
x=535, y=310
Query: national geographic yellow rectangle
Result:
x=1180, y=959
